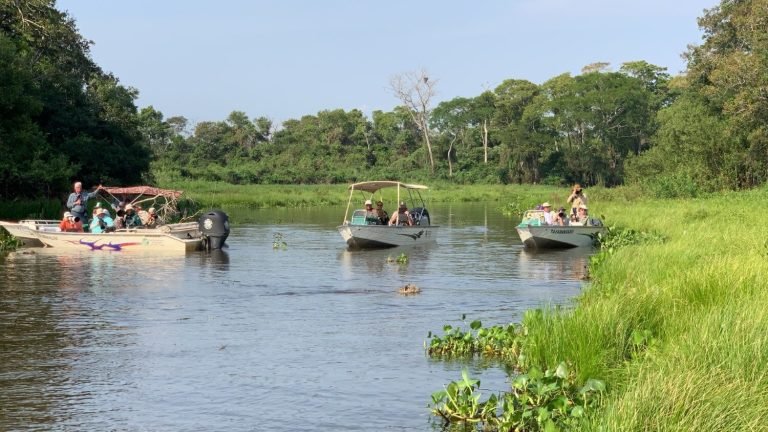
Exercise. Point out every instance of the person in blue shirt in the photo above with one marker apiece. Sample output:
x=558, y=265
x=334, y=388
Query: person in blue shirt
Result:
x=103, y=222
x=77, y=203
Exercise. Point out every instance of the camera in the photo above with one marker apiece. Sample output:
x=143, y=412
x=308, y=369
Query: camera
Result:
x=562, y=215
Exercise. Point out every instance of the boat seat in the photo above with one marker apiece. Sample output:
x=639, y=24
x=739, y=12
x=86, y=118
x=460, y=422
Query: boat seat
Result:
x=358, y=218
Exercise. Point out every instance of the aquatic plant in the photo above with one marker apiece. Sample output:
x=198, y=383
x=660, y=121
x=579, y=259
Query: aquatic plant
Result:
x=401, y=259
x=538, y=401
x=502, y=342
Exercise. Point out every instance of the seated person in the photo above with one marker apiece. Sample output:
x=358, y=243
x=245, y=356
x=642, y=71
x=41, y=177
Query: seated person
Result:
x=102, y=222
x=381, y=213
x=560, y=218
x=548, y=216
x=402, y=216
x=371, y=218
x=132, y=220
x=582, y=217
x=70, y=223
x=120, y=219
x=151, y=220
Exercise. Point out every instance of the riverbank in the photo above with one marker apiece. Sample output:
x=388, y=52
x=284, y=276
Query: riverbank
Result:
x=675, y=328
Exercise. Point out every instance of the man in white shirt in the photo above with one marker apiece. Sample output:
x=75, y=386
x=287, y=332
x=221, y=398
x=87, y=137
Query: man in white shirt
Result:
x=548, y=215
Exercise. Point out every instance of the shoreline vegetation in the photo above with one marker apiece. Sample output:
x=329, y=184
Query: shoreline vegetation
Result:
x=669, y=334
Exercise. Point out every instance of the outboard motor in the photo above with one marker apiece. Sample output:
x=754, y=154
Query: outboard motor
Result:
x=420, y=216
x=214, y=225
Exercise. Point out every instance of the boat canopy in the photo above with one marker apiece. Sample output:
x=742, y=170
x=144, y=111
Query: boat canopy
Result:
x=143, y=190
x=373, y=186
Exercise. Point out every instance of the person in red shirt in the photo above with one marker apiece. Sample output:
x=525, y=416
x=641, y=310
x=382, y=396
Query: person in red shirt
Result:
x=70, y=223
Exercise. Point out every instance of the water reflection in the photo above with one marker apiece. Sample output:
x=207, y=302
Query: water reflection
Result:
x=95, y=341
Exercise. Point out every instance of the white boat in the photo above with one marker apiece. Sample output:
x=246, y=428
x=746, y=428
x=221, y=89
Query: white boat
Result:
x=209, y=232
x=359, y=233
x=21, y=230
x=167, y=238
x=535, y=233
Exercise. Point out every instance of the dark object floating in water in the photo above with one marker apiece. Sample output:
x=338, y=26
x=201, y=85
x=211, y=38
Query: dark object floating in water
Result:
x=409, y=289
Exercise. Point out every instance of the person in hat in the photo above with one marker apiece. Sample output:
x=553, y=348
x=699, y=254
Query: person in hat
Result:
x=548, y=216
x=370, y=215
x=381, y=213
x=132, y=219
x=577, y=198
x=103, y=222
x=582, y=216
x=402, y=216
x=70, y=223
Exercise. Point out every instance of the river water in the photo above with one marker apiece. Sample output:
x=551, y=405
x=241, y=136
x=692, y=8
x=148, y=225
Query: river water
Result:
x=308, y=336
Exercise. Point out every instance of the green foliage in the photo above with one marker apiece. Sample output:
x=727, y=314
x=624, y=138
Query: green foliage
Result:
x=538, y=401
x=8, y=242
x=501, y=342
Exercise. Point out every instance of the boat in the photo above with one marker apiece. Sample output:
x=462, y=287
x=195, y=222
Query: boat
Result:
x=21, y=230
x=535, y=233
x=359, y=233
x=209, y=232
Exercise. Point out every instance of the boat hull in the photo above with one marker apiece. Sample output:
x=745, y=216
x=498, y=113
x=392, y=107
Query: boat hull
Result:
x=383, y=236
x=24, y=230
x=558, y=237
x=139, y=240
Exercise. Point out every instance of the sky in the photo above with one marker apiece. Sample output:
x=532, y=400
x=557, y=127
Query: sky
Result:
x=283, y=59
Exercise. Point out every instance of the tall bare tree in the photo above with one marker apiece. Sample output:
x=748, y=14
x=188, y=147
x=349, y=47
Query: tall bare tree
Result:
x=416, y=90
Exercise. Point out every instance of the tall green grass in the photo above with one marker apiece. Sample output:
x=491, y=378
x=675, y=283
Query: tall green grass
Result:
x=702, y=298
x=225, y=195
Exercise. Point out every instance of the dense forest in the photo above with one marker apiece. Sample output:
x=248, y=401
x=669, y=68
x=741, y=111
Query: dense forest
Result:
x=63, y=118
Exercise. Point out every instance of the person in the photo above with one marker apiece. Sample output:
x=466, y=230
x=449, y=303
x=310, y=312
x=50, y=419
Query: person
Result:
x=77, y=203
x=70, y=223
x=103, y=222
x=381, y=213
x=560, y=218
x=132, y=220
x=577, y=198
x=151, y=221
x=370, y=214
x=582, y=216
x=402, y=216
x=548, y=216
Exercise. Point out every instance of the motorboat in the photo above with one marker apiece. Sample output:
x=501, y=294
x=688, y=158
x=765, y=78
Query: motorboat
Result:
x=24, y=230
x=209, y=232
x=360, y=231
x=536, y=233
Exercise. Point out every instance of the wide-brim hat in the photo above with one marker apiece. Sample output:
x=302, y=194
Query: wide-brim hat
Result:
x=546, y=204
x=368, y=202
x=583, y=207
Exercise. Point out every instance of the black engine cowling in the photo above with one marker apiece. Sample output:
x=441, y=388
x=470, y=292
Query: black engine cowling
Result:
x=214, y=225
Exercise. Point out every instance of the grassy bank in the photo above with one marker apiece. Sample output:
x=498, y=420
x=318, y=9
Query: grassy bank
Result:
x=676, y=329
x=224, y=195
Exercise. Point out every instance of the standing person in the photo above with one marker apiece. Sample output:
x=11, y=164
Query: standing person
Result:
x=77, y=203
x=577, y=198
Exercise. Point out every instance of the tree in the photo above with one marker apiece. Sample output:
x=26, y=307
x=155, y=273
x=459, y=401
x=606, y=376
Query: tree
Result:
x=416, y=90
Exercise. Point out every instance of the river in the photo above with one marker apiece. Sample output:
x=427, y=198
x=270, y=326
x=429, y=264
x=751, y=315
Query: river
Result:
x=307, y=336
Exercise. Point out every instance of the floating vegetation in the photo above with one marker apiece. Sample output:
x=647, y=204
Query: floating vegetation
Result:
x=503, y=342
x=409, y=289
x=401, y=259
x=278, y=241
x=538, y=401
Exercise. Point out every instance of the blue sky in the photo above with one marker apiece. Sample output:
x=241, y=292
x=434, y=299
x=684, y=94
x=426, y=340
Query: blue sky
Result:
x=284, y=58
